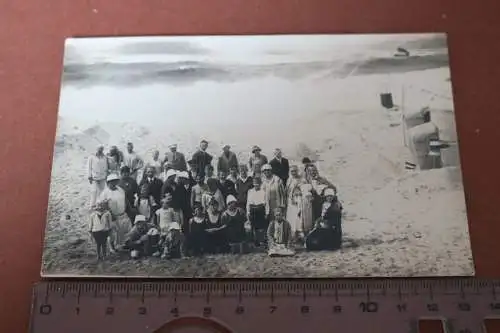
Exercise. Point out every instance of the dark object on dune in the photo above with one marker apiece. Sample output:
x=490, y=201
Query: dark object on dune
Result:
x=402, y=52
x=306, y=160
x=386, y=100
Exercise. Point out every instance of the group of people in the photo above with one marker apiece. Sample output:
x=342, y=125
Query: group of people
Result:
x=171, y=207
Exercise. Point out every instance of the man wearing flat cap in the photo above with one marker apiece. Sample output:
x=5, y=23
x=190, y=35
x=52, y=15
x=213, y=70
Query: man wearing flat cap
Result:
x=227, y=160
x=176, y=160
x=256, y=160
x=201, y=158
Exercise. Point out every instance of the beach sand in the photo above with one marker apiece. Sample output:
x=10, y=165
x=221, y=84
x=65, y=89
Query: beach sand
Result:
x=397, y=222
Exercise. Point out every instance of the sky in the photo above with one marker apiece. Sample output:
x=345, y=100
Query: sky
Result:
x=243, y=101
x=237, y=49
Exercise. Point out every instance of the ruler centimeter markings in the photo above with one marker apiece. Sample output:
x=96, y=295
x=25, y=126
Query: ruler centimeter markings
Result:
x=387, y=306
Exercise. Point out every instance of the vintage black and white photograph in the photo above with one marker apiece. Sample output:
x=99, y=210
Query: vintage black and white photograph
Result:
x=279, y=156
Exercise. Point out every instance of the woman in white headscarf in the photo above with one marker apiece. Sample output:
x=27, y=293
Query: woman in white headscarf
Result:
x=293, y=195
x=306, y=208
x=274, y=188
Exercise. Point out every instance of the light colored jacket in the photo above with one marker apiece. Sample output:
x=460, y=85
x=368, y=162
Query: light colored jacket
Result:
x=98, y=167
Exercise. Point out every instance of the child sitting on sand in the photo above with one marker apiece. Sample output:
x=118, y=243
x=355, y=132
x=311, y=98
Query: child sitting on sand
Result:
x=168, y=221
x=279, y=236
x=142, y=240
x=99, y=227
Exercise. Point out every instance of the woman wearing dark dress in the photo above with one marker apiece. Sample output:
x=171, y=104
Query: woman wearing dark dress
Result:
x=234, y=221
x=196, y=235
x=327, y=232
x=215, y=233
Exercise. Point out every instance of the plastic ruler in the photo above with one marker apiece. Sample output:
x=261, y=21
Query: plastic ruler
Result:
x=390, y=306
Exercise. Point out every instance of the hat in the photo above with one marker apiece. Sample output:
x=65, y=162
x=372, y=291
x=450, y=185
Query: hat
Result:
x=134, y=254
x=329, y=191
x=230, y=198
x=170, y=173
x=174, y=226
x=173, y=145
x=255, y=148
x=204, y=141
x=112, y=177
x=267, y=167
x=139, y=218
x=183, y=174
x=226, y=146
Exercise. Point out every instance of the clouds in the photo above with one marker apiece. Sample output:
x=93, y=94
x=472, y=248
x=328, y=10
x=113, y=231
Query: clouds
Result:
x=183, y=60
x=163, y=47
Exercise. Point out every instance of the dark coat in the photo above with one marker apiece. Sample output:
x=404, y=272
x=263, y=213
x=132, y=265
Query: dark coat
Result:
x=182, y=200
x=177, y=162
x=129, y=185
x=242, y=188
x=227, y=162
x=227, y=187
x=280, y=169
x=201, y=160
x=154, y=188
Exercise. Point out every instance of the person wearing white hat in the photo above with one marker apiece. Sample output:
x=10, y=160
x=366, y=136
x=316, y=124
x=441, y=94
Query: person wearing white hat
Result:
x=183, y=175
x=227, y=160
x=97, y=171
x=118, y=206
x=176, y=160
x=169, y=182
x=327, y=233
x=274, y=188
x=234, y=221
x=143, y=239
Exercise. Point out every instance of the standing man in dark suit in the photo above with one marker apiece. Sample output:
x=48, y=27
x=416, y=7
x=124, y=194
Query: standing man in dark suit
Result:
x=201, y=158
x=175, y=160
x=280, y=165
x=154, y=186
